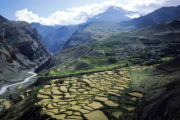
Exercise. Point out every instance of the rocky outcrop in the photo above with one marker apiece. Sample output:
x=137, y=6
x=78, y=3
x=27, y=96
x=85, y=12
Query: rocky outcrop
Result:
x=20, y=49
x=167, y=107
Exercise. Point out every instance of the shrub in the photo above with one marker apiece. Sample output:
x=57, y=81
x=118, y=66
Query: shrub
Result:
x=111, y=60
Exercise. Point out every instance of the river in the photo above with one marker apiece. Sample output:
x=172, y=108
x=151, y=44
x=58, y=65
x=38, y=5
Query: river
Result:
x=3, y=89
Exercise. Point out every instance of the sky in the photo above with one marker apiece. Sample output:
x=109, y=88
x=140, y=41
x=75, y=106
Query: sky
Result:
x=71, y=12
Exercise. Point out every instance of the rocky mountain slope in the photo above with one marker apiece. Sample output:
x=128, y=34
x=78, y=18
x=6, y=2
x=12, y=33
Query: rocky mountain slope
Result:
x=54, y=37
x=91, y=32
x=161, y=88
x=96, y=31
x=21, y=48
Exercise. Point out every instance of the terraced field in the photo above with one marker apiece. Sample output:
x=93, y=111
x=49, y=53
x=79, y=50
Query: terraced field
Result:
x=97, y=96
x=4, y=104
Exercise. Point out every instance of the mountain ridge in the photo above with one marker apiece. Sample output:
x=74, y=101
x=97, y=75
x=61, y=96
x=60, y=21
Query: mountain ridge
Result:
x=112, y=14
x=163, y=14
x=160, y=15
x=54, y=37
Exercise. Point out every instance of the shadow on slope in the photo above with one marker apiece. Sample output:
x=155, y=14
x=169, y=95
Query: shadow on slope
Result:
x=161, y=87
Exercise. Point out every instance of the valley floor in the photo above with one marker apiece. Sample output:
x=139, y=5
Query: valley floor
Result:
x=7, y=91
x=129, y=93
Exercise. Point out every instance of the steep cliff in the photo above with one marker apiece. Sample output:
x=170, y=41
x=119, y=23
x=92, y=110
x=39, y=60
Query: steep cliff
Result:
x=20, y=49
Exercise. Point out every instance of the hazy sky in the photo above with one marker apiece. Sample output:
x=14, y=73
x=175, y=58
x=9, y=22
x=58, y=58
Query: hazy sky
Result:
x=66, y=12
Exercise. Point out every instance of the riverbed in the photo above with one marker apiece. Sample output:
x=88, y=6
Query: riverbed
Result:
x=4, y=89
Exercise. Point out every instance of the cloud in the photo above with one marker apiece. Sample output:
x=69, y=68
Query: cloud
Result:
x=77, y=15
x=26, y=15
x=144, y=6
x=71, y=16
x=133, y=15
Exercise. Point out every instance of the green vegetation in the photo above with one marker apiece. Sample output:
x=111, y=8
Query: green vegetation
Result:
x=54, y=73
x=93, y=60
x=139, y=47
x=101, y=57
x=137, y=77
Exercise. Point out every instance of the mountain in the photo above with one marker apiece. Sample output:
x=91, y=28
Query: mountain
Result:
x=95, y=31
x=164, y=14
x=43, y=30
x=54, y=37
x=112, y=14
x=90, y=32
x=21, y=49
x=55, y=40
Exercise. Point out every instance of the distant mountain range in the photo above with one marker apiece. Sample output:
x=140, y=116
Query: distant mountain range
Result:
x=161, y=15
x=100, y=27
x=54, y=37
x=95, y=31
